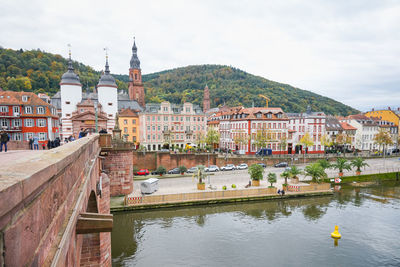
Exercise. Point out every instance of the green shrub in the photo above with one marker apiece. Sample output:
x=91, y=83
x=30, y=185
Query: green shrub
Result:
x=256, y=172
x=224, y=187
x=182, y=169
x=161, y=170
x=233, y=186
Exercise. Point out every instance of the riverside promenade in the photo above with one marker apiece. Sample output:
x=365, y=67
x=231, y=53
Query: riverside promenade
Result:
x=182, y=189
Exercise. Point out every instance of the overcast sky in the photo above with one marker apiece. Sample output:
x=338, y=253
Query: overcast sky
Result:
x=345, y=49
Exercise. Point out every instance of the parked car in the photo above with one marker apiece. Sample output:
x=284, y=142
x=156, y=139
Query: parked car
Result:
x=262, y=164
x=281, y=165
x=212, y=168
x=174, y=171
x=228, y=167
x=242, y=166
x=142, y=172
x=193, y=170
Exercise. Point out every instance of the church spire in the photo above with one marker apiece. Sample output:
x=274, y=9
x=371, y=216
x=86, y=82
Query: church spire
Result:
x=70, y=67
x=135, y=62
x=107, y=71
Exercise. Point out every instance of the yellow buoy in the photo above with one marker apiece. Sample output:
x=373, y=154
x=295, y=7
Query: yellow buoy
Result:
x=336, y=234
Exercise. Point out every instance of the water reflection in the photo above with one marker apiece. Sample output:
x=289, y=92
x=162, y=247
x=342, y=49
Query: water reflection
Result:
x=136, y=235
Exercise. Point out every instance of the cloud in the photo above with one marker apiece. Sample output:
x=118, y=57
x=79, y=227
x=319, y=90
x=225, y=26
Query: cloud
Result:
x=347, y=50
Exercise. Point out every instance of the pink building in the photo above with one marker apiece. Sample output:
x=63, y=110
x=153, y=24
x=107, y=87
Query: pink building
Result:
x=169, y=125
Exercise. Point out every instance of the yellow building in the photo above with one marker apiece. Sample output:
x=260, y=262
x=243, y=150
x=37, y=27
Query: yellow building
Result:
x=128, y=121
x=386, y=115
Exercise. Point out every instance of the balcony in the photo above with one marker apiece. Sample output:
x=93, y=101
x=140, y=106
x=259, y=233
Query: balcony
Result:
x=188, y=132
x=12, y=128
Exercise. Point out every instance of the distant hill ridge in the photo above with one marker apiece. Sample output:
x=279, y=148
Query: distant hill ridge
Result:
x=40, y=71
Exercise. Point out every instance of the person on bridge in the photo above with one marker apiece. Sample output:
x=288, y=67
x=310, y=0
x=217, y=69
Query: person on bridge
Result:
x=4, y=138
x=36, y=142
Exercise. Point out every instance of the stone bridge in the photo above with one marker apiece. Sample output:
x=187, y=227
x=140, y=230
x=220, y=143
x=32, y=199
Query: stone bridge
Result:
x=55, y=206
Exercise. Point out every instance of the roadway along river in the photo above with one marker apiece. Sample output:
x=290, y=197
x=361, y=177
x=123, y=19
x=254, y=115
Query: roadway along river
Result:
x=294, y=232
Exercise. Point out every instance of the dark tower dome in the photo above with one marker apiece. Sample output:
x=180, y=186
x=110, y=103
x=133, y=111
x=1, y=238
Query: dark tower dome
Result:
x=135, y=62
x=107, y=79
x=70, y=76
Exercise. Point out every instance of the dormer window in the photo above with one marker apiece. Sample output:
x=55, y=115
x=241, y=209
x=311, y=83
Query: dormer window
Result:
x=41, y=110
x=24, y=98
x=279, y=115
x=258, y=115
x=269, y=115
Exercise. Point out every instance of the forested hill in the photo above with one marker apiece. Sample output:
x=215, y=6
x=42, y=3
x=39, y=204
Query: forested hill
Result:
x=38, y=71
x=234, y=87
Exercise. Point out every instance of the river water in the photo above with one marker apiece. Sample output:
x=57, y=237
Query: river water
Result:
x=291, y=232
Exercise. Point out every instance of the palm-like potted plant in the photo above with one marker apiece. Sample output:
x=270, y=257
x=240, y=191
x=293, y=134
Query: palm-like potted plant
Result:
x=200, y=175
x=161, y=170
x=182, y=169
x=316, y=172
x=294, y=172
x=341, y=164
x=358, y=163
x=286, y=175
x=324, y=163
x=271, y=178
x=256, y=174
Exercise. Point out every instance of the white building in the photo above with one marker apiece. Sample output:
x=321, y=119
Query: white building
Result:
x=367, y=128
x=312, y=123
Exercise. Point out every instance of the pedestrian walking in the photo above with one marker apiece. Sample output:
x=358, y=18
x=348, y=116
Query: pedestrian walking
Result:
x=36, y=142
x=4, y=138
x=30, y=143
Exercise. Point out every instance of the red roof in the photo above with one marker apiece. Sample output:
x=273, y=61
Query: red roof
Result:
x=127, y=113
x=347, y=126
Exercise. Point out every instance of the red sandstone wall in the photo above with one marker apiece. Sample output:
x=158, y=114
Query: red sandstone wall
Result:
x=118, y=165
x=34, y=212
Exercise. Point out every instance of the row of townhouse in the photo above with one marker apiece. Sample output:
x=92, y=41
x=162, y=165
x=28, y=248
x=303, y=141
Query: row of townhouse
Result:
x=240, y=129
x=24, y=115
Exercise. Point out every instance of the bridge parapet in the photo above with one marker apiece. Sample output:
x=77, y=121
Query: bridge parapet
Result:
x=41, y=197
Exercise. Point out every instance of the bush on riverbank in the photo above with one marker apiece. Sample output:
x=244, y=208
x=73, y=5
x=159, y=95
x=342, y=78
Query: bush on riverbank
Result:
x=368, y=177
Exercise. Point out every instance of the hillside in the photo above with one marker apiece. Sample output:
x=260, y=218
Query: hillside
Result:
x=38, y=71
x=234, y=87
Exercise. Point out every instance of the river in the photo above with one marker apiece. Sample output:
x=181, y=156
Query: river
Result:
x=290, y=232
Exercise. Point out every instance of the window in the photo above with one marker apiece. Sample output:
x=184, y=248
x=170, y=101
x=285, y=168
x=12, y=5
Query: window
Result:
x=181, y=118
x=134, y=129
x=154, y=128
x=159, y=118
x=153, y=118
x=165, y=128
x=17, y=123
x=28, y=136
x=165, y=108
x=165, y=118
x=67, y=102
x=133, y=121
x=28, y=110
x=269, y=115
x=41, y=123
x=42, y=110
x=148, y=118
x=4, y=123
x=42, y=136
x=187, y=109
x=24, y=98
x=134, y=138
x=125, y=129
x=16, y=110
x=148, y=137
x=29, y=123
x=187, y=118
x=125, y=122
x=3, y=109
x=17, y=137
x=148, y=128
x=154, y=137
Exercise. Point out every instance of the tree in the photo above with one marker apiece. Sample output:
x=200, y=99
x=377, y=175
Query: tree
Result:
x=256, y=172
x=240, y=139
x=306, y=141
x=316, y=172
x=341, y=164
x=383, y=138
x=294, y=171
x=286, y=175
x=212, y=137
x=283, y=144
x=261, y=139
x=326, y=141
x=272, y=178
x=359, y=163
x=324, y=163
